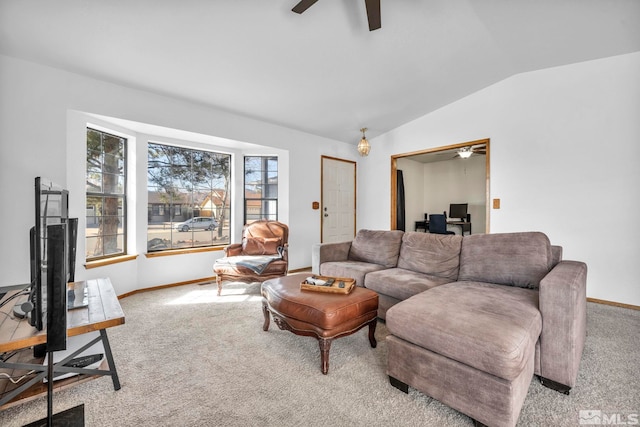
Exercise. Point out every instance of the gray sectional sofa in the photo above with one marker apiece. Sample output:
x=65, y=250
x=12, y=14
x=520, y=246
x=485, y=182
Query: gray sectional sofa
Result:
x=473, y=318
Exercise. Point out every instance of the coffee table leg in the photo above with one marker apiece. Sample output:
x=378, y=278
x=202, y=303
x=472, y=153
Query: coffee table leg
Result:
x=372, y=333
x=265, y=311
x=325, y=346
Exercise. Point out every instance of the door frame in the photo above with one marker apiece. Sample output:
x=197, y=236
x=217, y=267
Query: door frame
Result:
x=394, y=167
x=355, y=192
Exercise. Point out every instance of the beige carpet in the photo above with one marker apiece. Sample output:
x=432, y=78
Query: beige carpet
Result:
x=187, y=357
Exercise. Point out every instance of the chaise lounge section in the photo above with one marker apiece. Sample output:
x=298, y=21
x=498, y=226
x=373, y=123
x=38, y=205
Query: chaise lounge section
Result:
x=473, y=318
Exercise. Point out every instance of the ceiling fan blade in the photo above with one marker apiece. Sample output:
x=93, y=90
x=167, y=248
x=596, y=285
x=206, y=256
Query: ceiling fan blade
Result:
x=303, y=5
x=373, y=14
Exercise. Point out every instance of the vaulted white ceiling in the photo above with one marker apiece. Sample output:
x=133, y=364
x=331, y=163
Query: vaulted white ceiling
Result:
x=321, y=72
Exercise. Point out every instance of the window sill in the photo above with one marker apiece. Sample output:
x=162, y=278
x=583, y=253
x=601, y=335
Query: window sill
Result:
x=183, y=251
x=108, y=261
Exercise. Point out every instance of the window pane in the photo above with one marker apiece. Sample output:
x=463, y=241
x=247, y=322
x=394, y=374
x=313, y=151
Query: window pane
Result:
x=260, y=188
x=113, y=184
x=92, y=245
x=271, y=191
x=186, y=189
x=94, y=181
x=105, y=186
x=117, y=248
x=252, y=163
x=114, y=163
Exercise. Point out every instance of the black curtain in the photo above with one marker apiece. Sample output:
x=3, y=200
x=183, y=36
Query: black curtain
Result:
x=400, y=221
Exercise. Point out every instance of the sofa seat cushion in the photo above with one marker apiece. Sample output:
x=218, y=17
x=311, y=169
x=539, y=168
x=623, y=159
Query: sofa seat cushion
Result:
x=432, y=254
x=352, y=269
x=377, y=247
x=493, y=328
x=515, y=259
x=400, y=283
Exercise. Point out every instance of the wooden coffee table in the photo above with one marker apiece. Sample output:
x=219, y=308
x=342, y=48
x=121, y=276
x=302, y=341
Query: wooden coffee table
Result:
x=325, y=316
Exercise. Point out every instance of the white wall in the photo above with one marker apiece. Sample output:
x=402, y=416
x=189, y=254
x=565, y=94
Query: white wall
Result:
x=41, y=135
x=565, y=144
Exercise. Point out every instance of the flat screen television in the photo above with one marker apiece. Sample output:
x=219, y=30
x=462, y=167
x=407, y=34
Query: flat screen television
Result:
x=51, y=209
x=57, y=278
x=458, y=210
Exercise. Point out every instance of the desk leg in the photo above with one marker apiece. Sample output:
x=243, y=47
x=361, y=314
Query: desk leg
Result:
x=112, y=364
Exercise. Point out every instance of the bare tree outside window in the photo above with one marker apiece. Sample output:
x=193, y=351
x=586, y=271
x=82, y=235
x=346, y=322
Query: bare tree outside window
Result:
x=189, y=197
x=106, y=201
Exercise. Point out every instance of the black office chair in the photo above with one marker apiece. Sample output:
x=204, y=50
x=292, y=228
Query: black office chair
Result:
x=438, y=224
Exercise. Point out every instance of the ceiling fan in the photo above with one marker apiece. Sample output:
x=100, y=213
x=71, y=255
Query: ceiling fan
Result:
x=466, y=152
x=373, y=11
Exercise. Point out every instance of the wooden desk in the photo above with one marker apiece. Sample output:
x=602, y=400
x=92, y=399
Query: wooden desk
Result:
x=103, y=311
x=422, y=225
x=464, y=226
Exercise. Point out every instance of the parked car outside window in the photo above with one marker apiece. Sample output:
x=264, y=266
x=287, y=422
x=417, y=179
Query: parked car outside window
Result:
x=197, y=223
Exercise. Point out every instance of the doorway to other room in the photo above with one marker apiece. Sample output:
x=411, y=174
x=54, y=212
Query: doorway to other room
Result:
x=436, y=178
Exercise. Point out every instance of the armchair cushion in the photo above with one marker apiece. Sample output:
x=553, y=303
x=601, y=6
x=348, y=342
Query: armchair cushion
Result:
x=261, y=245
x=250, y=265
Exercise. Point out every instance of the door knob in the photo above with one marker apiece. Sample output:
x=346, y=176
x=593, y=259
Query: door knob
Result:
x=326, y=215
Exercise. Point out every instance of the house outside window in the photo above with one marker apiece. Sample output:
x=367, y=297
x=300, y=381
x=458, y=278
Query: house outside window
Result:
x=106, y=195
x=260, y=188
x=189, y=198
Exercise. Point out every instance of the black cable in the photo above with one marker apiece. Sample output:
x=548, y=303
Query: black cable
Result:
x=16, y=295
x=6, y=356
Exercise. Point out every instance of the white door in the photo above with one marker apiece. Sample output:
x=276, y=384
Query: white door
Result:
x=338, y=200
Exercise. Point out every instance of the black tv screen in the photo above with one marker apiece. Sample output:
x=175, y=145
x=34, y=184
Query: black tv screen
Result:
x=57, y=266
x=51, y=208
x=458, y=210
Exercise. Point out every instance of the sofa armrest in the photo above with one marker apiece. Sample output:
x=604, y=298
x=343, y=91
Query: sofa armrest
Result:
x=563, y=305
x=233, y=249
x=328, y=252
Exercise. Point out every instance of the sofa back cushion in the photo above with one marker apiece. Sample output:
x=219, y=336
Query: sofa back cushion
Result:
x=377, y=246
x=433, y=254
x=516, y=259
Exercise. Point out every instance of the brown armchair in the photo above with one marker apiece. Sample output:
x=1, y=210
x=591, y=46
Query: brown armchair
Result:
x=262, y=255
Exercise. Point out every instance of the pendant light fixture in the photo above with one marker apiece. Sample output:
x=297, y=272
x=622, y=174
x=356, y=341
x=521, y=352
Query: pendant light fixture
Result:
x=363, y=145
